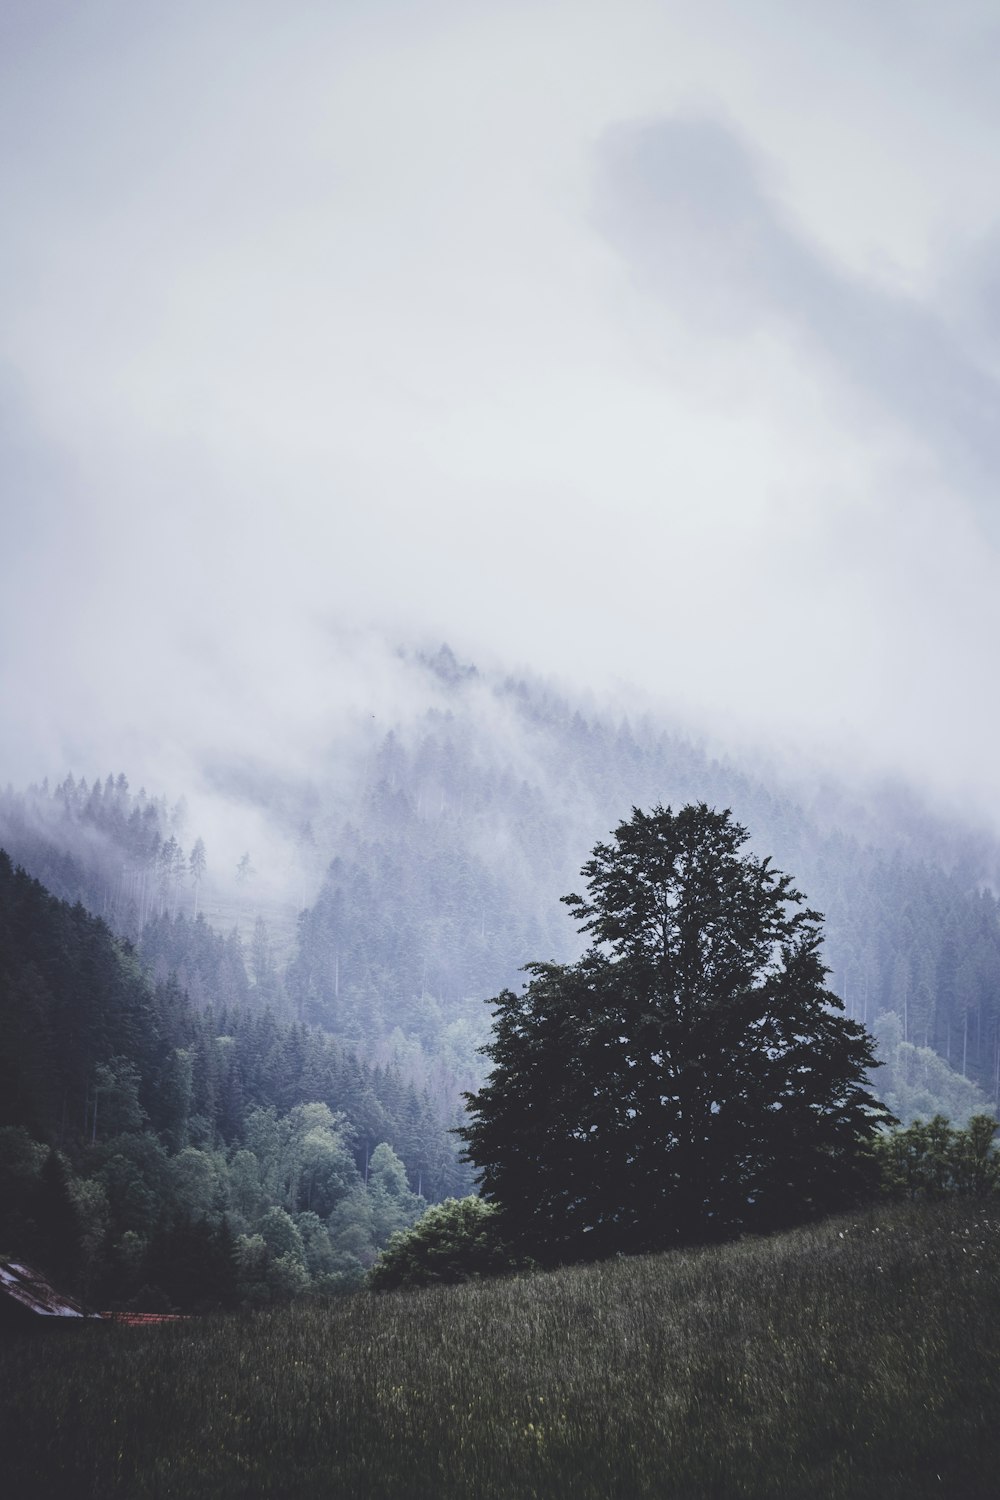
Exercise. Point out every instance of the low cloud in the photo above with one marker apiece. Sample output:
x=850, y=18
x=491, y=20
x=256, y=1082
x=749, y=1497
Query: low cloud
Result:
x=368, y=324
x=690, y=207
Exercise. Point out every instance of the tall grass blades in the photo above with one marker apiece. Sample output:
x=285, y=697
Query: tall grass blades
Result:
x=857, y=1358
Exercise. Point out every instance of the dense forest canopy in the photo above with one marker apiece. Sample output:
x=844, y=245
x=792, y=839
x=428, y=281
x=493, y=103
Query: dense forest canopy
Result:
x=189, y=1156
x=412, y=879
x=174, y=994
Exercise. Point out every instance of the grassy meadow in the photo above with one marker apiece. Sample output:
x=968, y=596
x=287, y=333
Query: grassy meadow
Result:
x=857, y=1358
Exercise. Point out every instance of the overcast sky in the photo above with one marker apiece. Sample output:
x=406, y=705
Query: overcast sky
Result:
x=648, y=343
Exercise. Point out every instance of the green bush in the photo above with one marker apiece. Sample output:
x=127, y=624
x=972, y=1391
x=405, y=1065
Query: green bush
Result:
x=454, y=1241
x=934, y=1159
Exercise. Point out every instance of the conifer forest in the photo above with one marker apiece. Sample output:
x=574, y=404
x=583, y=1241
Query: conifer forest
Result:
x=499, y=808
x=230, y=1103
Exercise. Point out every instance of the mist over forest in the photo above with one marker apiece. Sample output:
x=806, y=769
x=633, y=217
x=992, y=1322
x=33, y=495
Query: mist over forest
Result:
x=389, y=893
x=455, y=458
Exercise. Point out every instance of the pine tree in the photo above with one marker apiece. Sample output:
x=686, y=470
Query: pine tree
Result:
x=197, y=864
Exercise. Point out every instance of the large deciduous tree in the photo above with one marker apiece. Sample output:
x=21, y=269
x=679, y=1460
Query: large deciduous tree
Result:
x=691, y=1077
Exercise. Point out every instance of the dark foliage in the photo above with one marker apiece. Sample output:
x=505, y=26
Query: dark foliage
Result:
x=127, y=1114
x=691, y=1077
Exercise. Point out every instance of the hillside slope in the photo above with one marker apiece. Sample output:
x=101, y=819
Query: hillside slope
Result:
x=169, y=1154
x=854, y=1360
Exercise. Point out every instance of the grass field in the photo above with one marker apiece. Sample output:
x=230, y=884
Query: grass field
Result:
x=859, y=1358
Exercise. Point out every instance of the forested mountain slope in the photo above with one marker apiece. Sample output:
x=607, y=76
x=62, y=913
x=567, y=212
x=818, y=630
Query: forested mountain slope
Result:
x=476, y=820
x=188, y=1138
x=429, y=857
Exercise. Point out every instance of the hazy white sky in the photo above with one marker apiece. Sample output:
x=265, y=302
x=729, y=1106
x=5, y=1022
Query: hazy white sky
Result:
x=634, y=341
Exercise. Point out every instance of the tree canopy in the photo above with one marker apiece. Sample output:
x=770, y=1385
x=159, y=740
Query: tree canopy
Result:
x=454, y=1241
x=691, y=1076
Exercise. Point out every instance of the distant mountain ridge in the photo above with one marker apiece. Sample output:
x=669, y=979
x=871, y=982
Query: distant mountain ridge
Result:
x=438, y=851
